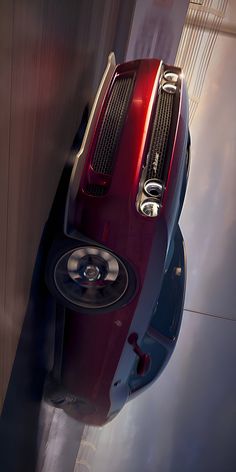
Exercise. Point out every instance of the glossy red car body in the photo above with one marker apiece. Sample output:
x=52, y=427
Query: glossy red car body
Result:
x=98, y=353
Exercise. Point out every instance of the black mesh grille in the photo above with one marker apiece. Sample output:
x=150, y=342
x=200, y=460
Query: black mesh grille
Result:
x=113, y=121
x=96, y=189
x=160, y=134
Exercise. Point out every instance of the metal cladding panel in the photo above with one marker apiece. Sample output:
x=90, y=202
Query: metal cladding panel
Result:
x=209, y=218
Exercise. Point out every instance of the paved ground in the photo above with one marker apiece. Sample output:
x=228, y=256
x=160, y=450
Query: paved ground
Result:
x=33, y=435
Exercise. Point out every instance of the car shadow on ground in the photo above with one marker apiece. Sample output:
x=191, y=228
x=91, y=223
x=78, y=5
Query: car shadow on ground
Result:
x=19, y=428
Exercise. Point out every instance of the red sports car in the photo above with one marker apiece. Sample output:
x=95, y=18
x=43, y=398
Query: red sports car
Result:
x=118, y=271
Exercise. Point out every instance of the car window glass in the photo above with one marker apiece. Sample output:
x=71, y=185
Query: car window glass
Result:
x=168, y=310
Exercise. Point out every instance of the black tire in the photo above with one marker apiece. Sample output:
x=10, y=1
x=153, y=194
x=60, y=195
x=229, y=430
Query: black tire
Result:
x=62, y=246
x=58, y=397
x=54, y=393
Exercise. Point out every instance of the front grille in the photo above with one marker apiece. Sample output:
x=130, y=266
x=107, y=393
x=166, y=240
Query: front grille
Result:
x=160, y=134
x=112, y=124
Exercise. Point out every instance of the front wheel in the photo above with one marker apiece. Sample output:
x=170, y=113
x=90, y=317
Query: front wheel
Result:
x=58, y=397
x=88, y=278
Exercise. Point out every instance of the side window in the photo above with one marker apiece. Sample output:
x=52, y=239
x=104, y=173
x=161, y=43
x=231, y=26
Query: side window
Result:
x=165, y=319
x=158, y=354
x=168, y=311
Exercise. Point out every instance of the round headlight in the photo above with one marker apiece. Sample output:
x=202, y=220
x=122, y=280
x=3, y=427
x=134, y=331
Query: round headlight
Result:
x=168, y=87
x=153, y=188
x=171, y=76
x=150, y=208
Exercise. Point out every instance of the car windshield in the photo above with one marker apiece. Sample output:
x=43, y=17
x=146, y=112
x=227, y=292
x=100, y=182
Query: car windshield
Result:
x=159, y=339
